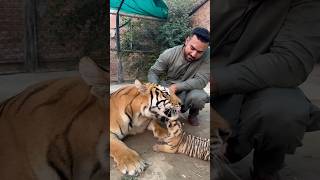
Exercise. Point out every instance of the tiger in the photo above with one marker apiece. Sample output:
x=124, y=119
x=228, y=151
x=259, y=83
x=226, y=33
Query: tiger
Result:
x=57, y=129
x=213, y=149
x=178, y=141
x=133, y=109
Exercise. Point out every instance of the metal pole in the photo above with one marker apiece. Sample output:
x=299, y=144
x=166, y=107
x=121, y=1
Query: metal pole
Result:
x=120, y=70
x=31, y=47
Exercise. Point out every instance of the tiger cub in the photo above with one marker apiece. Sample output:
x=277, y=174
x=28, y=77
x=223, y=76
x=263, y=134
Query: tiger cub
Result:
x=179, y=141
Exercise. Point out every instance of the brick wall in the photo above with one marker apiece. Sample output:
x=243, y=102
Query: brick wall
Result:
x=202, y=16
x=51, y=54
x=113, y=66
x=113, y=53
x=12, y=35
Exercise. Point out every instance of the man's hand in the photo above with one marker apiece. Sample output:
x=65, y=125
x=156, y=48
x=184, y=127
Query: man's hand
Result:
x=173, y=88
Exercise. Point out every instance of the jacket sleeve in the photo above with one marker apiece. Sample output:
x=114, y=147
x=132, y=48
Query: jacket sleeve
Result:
x=160, y=67
x=291, y=58
x=199, y=80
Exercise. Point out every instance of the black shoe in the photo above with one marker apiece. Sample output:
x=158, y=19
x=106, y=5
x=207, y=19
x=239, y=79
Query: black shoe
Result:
x=193, y=120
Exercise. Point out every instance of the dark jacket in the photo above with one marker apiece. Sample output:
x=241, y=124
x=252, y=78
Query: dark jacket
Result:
x=263, y=43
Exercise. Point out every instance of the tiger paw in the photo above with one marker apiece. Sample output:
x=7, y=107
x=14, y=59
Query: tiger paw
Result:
x=156, y=147
x=160, y=147
x=131, y=164
x=164, y=148
x=162, y=139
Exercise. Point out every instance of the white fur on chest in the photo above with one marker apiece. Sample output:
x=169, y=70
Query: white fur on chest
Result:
x=139, y=124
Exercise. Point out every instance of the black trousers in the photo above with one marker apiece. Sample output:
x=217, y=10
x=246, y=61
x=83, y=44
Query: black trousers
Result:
x=270, y=121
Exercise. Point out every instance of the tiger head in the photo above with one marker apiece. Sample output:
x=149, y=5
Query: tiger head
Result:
x=163, y=104
x=175, y=128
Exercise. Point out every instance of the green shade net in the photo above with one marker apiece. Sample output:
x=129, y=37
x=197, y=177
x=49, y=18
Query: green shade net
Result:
x=153, y=8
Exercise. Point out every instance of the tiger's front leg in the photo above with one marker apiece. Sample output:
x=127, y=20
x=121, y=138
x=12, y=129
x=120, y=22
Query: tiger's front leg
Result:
x=128, y=161
x=158, y=131
x=164, y=148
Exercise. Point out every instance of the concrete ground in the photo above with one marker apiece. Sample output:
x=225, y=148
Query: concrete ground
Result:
x=303, y=165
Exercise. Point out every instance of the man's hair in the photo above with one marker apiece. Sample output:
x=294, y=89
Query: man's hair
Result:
x=202, y=34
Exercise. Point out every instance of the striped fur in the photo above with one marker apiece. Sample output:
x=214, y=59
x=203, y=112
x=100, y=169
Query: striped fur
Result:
x=57, y=129
x=41, y=132
x=179, y=141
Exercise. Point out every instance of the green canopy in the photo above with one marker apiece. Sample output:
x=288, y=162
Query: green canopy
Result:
x=153, y=8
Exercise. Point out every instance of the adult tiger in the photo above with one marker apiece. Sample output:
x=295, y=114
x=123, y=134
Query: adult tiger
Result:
x=133, y=109
x=57, y=129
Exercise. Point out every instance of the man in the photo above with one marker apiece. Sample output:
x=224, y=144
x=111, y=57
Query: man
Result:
x=186, y=70
x=263, y=50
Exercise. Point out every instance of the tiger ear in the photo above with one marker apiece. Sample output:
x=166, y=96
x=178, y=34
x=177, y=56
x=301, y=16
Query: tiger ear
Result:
x=141, y=87
x=94, y=76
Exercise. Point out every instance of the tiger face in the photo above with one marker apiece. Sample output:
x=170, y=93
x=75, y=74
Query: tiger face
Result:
x=163, y=103
x=175, y=128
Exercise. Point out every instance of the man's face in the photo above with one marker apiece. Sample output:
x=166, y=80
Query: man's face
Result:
x=194, y=48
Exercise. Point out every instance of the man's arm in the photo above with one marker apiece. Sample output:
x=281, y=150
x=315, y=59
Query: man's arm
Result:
x=159, y=67
x=200, y=79
x=292, y=56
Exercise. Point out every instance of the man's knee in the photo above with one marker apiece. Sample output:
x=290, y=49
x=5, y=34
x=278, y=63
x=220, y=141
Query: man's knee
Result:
x=197, y=98
x=283, y=129
x=281, y=117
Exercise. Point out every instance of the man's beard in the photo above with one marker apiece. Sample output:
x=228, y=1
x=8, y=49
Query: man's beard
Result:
x=189, y=58
x=186, y=56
